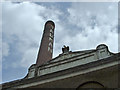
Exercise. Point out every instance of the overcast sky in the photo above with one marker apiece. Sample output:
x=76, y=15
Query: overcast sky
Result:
x=79, y=25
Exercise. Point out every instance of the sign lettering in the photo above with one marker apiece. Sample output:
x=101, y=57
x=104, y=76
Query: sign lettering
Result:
x=50, y=45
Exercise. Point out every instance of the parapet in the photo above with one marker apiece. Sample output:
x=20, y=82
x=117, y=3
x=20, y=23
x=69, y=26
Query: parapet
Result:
x=70, y=59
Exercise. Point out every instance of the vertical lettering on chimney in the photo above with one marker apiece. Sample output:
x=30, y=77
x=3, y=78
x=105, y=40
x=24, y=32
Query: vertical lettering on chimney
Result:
x=50, y=45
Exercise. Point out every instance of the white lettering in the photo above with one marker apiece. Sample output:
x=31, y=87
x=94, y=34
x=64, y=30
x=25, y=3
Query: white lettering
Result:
x=48, y=48
x=51, y=50
x=51, y=31
x=51, y=35
x=50, y=39
x=50, y=44
x=52, y=26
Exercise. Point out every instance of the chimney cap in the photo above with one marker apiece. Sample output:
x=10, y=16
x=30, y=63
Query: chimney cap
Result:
x=50, y=22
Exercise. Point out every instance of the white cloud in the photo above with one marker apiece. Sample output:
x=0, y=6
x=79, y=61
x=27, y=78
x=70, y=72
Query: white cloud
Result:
x=23, y=24
x=86, y=26
x=29, y=57
x=98, y=23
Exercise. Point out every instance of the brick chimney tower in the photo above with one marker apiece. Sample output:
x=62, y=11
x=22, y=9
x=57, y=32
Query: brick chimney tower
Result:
x=46, y=47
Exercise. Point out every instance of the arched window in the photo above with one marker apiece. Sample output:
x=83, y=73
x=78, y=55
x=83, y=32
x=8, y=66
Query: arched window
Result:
x=91, y=84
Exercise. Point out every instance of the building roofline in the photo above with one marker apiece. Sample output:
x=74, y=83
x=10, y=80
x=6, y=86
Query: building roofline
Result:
x=110, y=59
